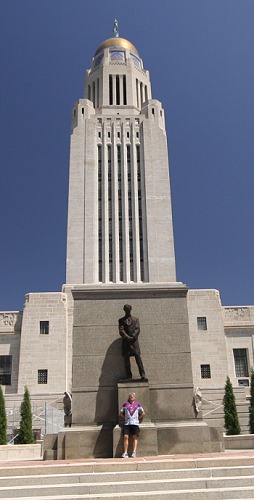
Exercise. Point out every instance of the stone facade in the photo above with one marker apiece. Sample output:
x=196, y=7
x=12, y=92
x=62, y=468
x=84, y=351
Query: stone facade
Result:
x=44, y=351
x=228, y=329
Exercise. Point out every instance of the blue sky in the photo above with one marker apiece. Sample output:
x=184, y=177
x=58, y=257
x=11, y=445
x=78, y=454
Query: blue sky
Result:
x=200, y=57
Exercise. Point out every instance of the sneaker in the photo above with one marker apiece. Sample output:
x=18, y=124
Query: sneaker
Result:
x=133, y=455
x=125, y=455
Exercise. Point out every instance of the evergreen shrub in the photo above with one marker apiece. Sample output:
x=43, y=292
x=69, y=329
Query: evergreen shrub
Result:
x=231, y=421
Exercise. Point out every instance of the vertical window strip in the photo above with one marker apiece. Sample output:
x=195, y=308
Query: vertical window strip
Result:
x=89, y=92
x=146, y=96
x=124, y=91
x=137, y=89
x=140, y=215
x=117, y=90
x=130, y=213
x=93, y=94
x=110, y=234
x=110, y=89
x=120, y=212
x=100, y=213
x=98, y=92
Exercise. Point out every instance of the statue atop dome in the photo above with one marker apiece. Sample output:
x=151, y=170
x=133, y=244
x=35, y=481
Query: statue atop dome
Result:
x=116, y=29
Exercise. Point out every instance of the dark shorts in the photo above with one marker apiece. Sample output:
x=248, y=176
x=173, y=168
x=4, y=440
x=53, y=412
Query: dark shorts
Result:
x=130, y=430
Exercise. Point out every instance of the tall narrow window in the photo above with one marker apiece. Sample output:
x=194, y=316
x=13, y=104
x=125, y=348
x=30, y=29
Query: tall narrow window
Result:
x=141, y=94
x=93, y=97
x=5, y=370
x=146, y=96
x=117, y=90
x=124, y=90
x=141, y=246
x=89, y=92
x=130, y=212
x=137, y=92
x=100, y=212
x=110, y=89
x=110, y=233
x=241, y=363
x=120, y=218
x=98, y=92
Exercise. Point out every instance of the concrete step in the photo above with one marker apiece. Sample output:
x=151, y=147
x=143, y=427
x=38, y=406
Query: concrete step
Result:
x=221, y=478
x=228, y=460
x=199, y=494
x=168, y=485
x=136, y=476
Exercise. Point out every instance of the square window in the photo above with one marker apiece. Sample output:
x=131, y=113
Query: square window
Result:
x=42, y=376
x=202, y=324
x=205, y=371
x=44, y=327
x=5, y=370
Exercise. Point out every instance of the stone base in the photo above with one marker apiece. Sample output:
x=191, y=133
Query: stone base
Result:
x=188, y=437
x=85, y=442
x=155, y=439
x=172, y=438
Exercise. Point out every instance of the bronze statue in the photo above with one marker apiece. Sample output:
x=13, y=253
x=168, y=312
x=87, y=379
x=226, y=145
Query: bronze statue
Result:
x=129, y=330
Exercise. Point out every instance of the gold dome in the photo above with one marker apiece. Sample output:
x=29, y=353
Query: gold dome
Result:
x=116, y=42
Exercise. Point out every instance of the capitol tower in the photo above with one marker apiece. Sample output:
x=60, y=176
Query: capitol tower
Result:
x=119, y=216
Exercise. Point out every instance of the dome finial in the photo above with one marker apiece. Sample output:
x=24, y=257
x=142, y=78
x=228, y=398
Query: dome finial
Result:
x=116, y=30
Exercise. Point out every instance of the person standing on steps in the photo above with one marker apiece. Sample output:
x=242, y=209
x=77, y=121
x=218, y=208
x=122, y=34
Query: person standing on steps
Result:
x=132, y=412
x=129, y=330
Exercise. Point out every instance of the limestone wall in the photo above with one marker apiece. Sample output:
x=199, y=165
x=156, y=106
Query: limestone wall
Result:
x=44, y=351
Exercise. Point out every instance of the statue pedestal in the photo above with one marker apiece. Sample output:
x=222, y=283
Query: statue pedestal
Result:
x=170, y=425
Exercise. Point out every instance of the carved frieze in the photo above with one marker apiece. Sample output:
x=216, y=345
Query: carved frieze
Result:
x=8, y=321
x=236, y=314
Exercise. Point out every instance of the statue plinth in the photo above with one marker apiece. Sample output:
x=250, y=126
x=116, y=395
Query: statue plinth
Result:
x=99, y=381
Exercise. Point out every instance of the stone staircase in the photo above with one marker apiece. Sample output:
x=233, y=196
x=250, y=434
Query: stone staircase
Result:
x=219, y=477
x=212, y=407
